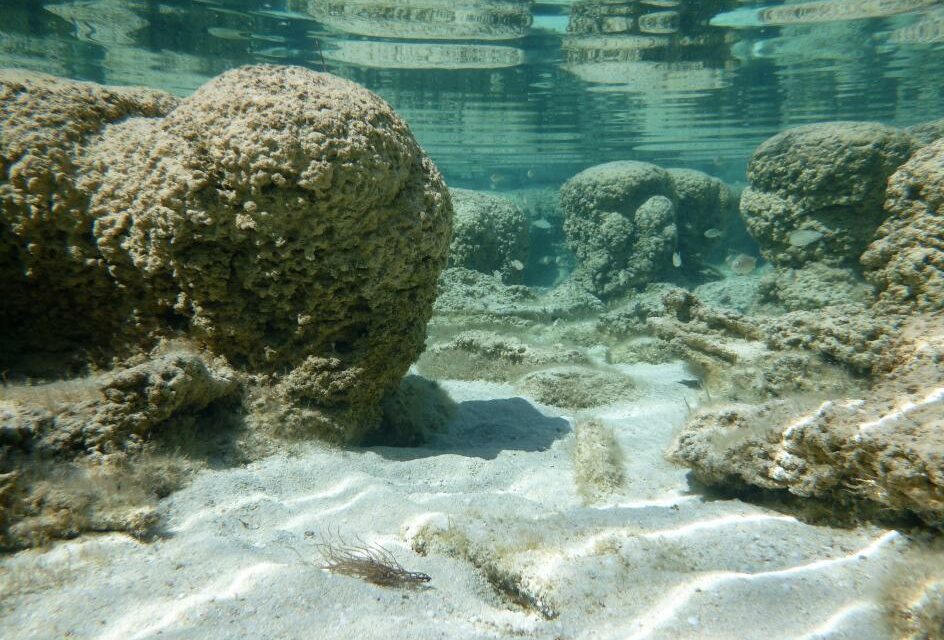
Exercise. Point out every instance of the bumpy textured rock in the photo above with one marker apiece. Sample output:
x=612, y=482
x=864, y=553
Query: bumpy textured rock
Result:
x=738, y=358
x=927, y=132
x=578, y=387
x=80, y=455
x=885, y=449
x=485, y=355
x=705, y=205
x=279, y=217
x=125, y=407
x=56, y=291
x=477, y=297
x=619, y=219
x=906, y=261
x=490, y=234
x=816, y=192
x=287, y=219
x=814, y=286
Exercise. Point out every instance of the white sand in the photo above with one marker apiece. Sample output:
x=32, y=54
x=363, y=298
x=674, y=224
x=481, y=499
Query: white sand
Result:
x=654, y=562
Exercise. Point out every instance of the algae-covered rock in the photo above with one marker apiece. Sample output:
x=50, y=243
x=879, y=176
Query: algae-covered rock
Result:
x=906, y=260
x=816, y=191
x=598, y=461
x=490, y=234
x=84, y=454
x=706, y=206
x=487, y=355
x=927, y=132
x=619, y=219
x=281, y=214
x=884, y=449
x=578, y=387
x=278, y=217
x=476, y=297
x=58, y=296
x=814, y=286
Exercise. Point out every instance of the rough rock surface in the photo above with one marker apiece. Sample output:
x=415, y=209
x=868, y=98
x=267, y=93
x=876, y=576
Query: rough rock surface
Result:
x=123, y=408
x=56, y=289
x=490, y=234
x=279, y=217
x=743, y=359
x=885, y=448
x=79, y=455
x=906, y=260
x=705, y=205
x=927, y=132
x=619, y=219
x=814, y=286
x=578, y=387
x=487, y=355
x=477, y=297
x=741, y=293
x=282, y=214
x=816, y=192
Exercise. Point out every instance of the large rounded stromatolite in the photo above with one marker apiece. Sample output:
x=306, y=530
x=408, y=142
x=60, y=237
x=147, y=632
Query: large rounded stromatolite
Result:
x=284, y=219
x=816, y=191
x=619, y=218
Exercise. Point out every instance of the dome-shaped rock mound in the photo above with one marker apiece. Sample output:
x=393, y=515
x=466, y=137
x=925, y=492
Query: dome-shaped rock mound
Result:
x=284, y=219
x=816, y=191
x=490, y=234
x=619, y=219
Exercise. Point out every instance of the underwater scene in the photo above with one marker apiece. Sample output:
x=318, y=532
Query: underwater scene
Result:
x=479, y=319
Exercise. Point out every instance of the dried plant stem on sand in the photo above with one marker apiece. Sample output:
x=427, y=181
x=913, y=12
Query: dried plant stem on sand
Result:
x=370, y=562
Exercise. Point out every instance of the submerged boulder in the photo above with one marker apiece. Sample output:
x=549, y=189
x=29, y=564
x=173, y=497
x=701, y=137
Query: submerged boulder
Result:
x=280, y=218
x=619, y=219
x=706, y=208
x=490, y=234
x=282, y=224
x=881, y=451
x=816, y=191
x=906, y=260
x=57, y=293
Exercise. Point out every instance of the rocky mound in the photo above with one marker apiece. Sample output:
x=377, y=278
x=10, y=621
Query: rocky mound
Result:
x=816, y=192
x=906, y=261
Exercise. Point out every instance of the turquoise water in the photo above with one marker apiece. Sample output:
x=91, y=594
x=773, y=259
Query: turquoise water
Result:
x=506, y=94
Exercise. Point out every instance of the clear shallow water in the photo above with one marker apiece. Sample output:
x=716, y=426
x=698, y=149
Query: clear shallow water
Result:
x=505, y=93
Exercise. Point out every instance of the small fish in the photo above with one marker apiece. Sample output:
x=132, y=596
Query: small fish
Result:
x=530, y=174
x=676, y=259
x=741, y=264
x=713, y=233
x=803, y=237
x=541, y=223
x=517, y=265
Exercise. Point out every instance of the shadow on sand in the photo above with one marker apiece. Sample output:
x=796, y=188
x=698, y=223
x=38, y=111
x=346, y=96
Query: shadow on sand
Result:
x=484, y=428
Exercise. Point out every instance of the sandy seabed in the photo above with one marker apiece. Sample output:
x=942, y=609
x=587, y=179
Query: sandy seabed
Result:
x=652, y=561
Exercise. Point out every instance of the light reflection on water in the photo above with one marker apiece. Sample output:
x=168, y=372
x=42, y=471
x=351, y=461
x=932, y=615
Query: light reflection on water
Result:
x=510, y=93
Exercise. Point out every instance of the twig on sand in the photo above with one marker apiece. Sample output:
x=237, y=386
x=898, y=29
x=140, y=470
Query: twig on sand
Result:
x=370, y=562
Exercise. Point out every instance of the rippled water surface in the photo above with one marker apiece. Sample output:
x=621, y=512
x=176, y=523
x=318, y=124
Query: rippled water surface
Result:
x=510, y=93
